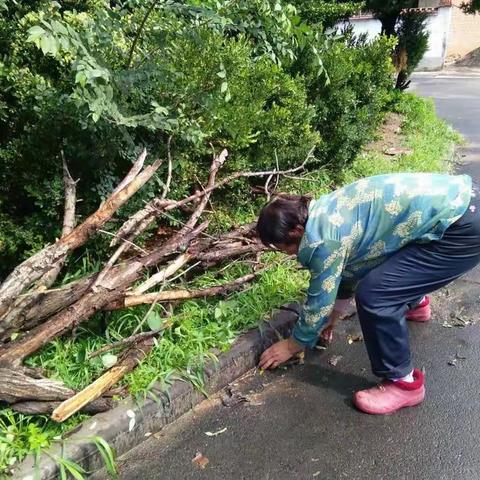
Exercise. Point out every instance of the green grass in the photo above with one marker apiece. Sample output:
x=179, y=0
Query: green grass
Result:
x=202, y=328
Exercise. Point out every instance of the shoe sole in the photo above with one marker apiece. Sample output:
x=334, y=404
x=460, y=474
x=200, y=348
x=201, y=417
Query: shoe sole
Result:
x=412, y=403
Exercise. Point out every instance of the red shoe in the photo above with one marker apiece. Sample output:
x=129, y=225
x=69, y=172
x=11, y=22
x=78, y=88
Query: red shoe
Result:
x=389, y=396
x=421, y=313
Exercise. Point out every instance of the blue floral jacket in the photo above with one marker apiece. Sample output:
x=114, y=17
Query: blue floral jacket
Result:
x=352, y=230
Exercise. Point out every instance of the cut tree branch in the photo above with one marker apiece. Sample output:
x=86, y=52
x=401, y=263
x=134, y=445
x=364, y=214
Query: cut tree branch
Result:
x=34, y=267
x=176, y=295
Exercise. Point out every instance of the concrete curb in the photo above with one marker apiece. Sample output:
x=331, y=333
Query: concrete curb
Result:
x=125, y=426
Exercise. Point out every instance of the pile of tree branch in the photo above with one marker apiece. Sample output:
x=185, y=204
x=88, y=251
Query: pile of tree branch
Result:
x=37, y=313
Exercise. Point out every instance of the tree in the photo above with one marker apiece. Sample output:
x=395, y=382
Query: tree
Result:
x=388, y=12
x=473, y=6
x=410, y=29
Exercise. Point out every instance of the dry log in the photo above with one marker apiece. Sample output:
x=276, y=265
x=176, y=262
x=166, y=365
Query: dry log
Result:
x=48, y=303
x=46, y=408
x=14, y=353
x=176, y=295
x=34, y=267
x=17, y=386
x=129, y=361
x=116, y=280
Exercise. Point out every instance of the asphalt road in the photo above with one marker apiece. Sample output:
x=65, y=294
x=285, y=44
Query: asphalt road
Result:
x=457, y=98
x=300, y=422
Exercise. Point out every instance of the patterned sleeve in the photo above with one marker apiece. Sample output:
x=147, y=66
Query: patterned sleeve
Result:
x=326, y=266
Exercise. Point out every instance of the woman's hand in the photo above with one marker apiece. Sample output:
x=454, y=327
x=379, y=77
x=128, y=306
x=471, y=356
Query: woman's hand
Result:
x=327, y=332
x=279, y=353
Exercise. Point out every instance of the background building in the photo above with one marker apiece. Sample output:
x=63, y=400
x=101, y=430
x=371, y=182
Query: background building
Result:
x=452, y=33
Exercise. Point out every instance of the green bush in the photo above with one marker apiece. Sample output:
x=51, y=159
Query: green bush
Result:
x=350, y=106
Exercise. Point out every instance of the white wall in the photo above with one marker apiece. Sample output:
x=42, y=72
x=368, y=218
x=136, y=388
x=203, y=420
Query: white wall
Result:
x=438, y=25
x=367, y=24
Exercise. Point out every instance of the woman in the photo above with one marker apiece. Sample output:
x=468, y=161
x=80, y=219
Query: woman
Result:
x=385, y=241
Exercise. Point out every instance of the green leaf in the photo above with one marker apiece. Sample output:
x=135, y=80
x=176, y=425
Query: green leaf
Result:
x=223, y=87
x=58, y=27
x=154, y=321
x=222, y=73
x=218, y=313
x=35, y=32
x=109, y=360
x=81, y=78
x=228, y=97
x=48, y=44
x=107, y=454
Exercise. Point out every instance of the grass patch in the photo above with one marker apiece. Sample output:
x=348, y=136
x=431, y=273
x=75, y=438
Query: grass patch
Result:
x=203, y=328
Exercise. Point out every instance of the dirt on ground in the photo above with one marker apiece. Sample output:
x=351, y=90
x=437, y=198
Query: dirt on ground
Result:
x=472, y=59
x=389, y=139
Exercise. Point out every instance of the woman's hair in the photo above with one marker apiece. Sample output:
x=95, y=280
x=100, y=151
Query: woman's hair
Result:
x=280, y=216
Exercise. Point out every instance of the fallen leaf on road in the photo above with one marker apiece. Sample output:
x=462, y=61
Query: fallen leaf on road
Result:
x=301, y=358
x=334, y=359
x=200, y=460
x=357, y=337
x=316, y=474
x=315, y=459
x=214, y=434
x=452, y=363
x=232, y=397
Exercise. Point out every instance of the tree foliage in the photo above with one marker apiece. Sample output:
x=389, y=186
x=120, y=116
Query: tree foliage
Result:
x=472, y=6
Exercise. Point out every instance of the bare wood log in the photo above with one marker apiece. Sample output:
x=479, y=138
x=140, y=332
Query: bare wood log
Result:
x=47, y=303
x=138, y=222
x=95, y=390
x=176, y=295
x=17, y=386
x=34, y=267
x=143, y=218
x=132, y=174
x=14, y=352
x=170, y=168
x=45, y=408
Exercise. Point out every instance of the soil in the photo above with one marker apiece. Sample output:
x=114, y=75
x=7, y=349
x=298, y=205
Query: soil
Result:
x=388, y=136
x=472, y=59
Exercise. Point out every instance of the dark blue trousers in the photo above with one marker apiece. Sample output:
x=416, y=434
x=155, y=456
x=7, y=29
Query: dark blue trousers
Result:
x=385, y=294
